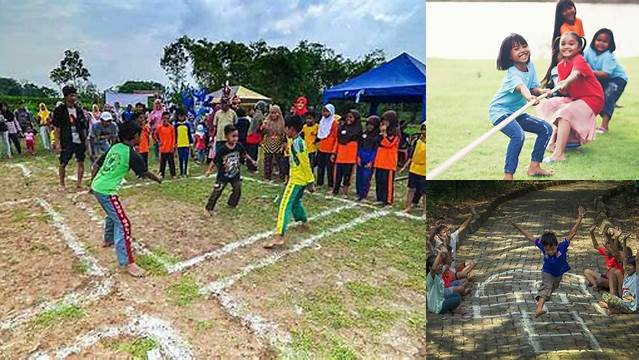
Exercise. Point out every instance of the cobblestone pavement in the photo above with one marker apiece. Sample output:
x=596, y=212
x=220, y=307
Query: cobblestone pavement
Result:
x=499, y=317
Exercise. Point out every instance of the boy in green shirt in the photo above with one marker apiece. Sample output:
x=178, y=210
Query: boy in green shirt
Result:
x=300, y=178
x=107, y=175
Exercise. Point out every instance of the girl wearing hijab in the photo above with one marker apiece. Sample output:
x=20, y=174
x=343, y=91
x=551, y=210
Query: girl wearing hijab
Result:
x=345, y=151
x=366, y=151
x=273, y=142
x=327, y=135
x=43, y=120
x=301, y=106
x=386, y=159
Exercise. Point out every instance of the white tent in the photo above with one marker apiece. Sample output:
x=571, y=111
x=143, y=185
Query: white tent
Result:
x=111, y=97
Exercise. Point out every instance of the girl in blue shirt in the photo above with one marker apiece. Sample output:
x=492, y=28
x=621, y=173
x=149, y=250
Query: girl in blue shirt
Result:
x=609, y=72
x=520, y=85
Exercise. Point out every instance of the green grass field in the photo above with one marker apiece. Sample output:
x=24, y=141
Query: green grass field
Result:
x=459, y=92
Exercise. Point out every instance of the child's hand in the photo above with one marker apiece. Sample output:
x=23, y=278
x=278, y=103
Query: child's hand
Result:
x=563, y=84
x=533, y=99
x=333, y=158
x=617, y=233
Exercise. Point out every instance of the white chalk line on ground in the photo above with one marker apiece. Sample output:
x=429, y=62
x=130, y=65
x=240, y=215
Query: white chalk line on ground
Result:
x=26, y=171
x=171, y=343
x=527, y=324
x=100, y=287
x=230, y=247
x=235, y=307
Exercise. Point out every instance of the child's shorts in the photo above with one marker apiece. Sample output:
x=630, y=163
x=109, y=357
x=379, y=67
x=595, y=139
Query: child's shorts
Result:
x=549, y=284
x=417, y=182
x=448, y=292
x=615, y=303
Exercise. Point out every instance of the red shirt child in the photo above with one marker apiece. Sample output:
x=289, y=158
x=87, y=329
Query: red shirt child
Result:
x=586, y=87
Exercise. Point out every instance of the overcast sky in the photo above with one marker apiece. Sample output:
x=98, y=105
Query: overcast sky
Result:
x=123, y=39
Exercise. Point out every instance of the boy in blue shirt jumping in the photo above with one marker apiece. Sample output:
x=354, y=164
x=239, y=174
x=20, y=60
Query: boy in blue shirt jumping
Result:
x=555, y=259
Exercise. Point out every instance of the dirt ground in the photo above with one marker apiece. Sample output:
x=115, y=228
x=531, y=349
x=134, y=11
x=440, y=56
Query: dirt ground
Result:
x=37, y=265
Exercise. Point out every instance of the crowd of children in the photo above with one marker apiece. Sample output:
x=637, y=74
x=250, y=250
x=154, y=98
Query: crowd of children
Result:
x=298, y=146
x=590, y=81
x=447, y=281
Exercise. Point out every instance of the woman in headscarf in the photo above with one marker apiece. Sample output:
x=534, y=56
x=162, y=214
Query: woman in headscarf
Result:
x=301, y=106
x=273, y=142
x=155, y=118
x=254, y=137
x=43, y=121
x=327, y=135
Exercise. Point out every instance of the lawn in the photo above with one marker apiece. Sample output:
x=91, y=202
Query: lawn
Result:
x=459, y=92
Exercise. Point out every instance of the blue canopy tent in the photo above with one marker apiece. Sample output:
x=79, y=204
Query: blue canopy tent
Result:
x=401, y=80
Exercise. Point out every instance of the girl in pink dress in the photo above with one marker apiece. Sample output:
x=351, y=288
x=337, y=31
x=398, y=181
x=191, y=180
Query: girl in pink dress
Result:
x=573, y=115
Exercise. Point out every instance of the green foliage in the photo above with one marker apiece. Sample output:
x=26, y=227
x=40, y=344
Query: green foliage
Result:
x=71, y=69
x=279, y=72
x=57, y=314
x=185, y=291
x=138, y=348
x=131, y=86
x=12, y=87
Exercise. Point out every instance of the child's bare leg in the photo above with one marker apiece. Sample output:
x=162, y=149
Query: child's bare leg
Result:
x=592, y=278
x=409, y=200
x=612, y=283
x=616, y=274
x=471, y=265
x=540, y=307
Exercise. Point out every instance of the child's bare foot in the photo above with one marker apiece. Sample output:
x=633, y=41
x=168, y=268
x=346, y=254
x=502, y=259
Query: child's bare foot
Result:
x=135, y=270
x=508, y=177
x=538, y=171
x=211, y=212
x=304, y=226
x=603, y=304
x=408, y=209
x=539, y=312
x=277, y=241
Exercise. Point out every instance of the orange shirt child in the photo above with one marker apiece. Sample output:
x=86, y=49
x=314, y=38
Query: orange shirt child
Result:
x=577, y=27
x=387, y=153
x=327, y=145
x=166, y=134
x=143, y=147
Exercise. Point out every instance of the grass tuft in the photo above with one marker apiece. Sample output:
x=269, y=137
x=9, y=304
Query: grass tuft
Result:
x=58, y=313
x=185, y=291
x=137, y=348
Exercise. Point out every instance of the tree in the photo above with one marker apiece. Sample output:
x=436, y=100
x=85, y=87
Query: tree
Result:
x=279, y=72
x=174, y=61
x=71, y=69
x=131, y=86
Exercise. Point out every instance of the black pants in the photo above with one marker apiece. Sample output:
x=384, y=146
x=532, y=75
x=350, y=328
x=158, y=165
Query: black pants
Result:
x=324, y=168
x=145, y=157
x=164, y=158
x=234, y=199
x=252, y=151
x=271, y=160
x=16, y=142
x=343, y=174
x=384, y=182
